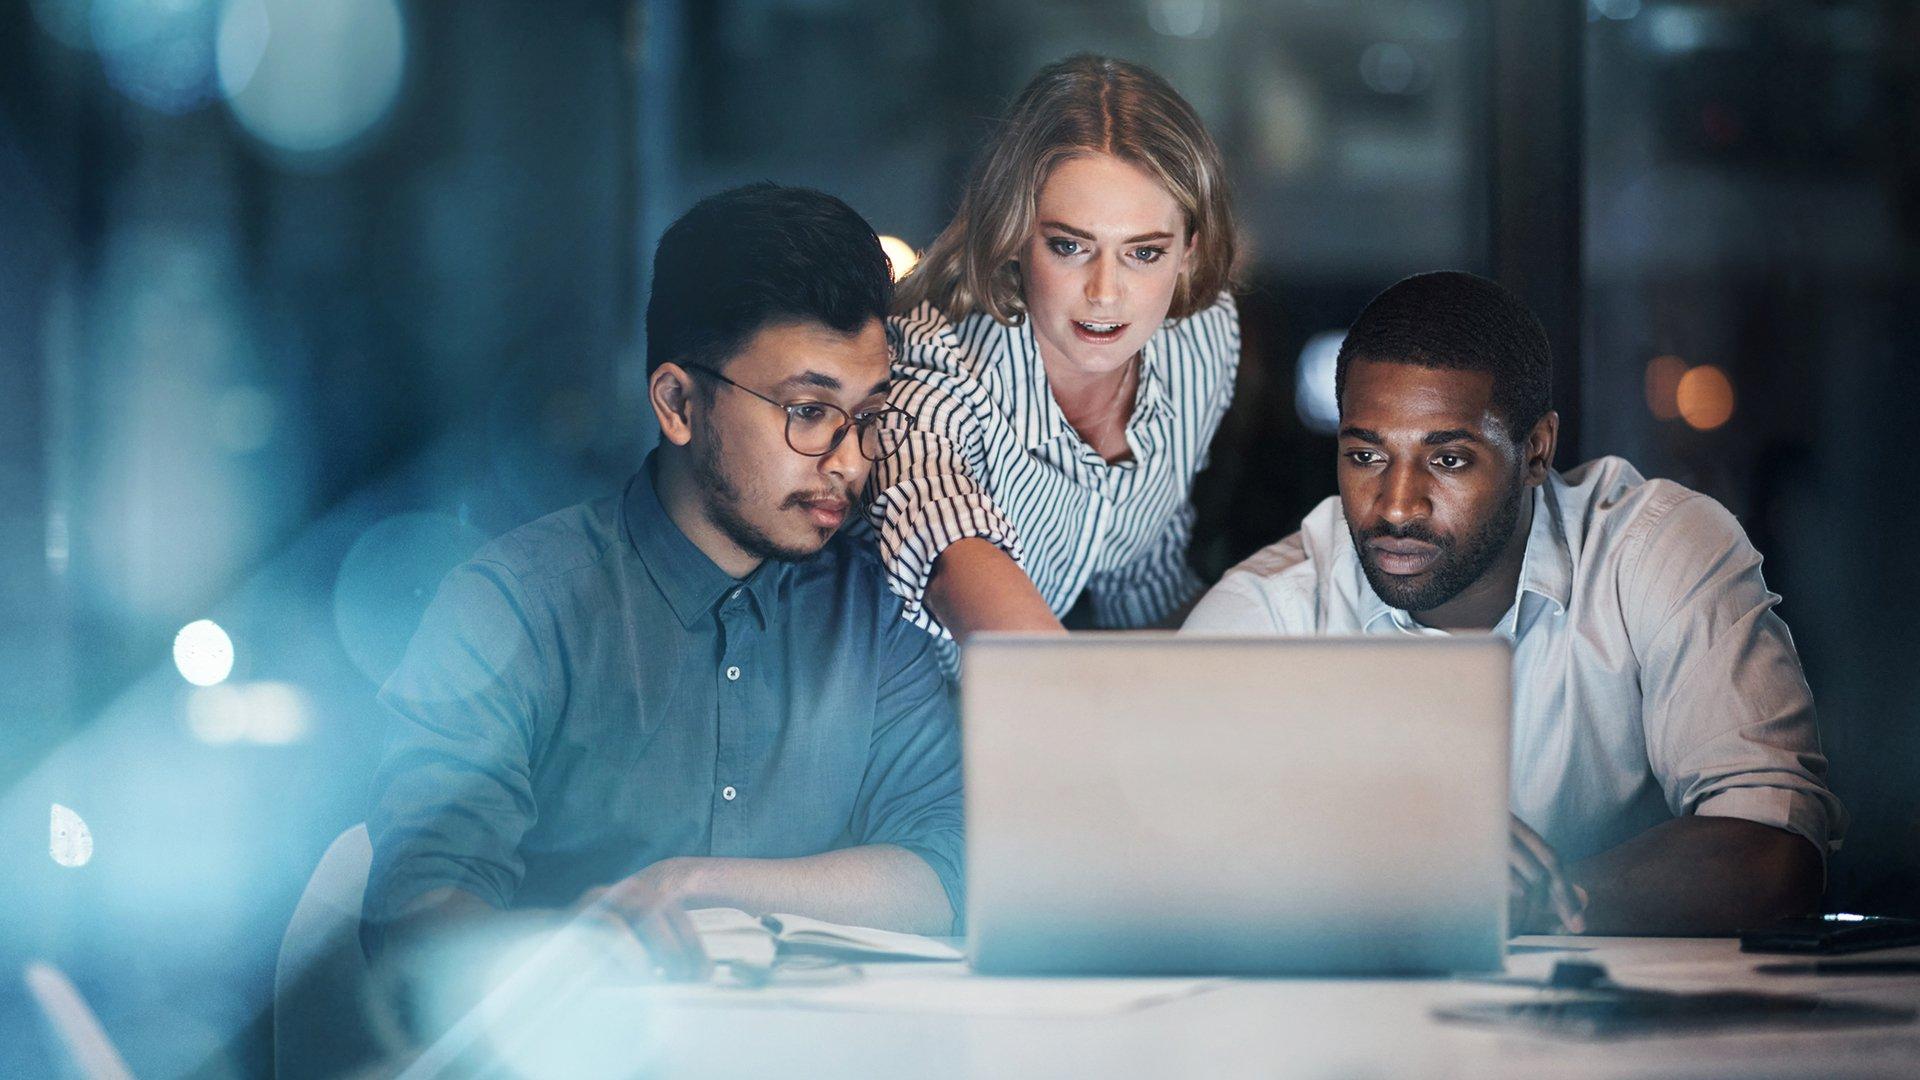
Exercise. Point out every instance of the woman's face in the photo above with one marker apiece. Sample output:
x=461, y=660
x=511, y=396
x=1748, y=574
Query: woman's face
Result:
x=1100, y=268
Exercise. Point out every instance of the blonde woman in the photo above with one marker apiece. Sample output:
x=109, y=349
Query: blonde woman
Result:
x=1067, y=349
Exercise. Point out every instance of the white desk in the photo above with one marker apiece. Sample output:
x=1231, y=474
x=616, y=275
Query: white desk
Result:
x=1252, y=1028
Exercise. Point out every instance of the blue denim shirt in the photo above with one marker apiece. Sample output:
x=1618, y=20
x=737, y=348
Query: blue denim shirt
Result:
x=591, y=694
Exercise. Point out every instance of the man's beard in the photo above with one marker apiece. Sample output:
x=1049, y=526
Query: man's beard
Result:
x=1457, y=566
x=723, y=502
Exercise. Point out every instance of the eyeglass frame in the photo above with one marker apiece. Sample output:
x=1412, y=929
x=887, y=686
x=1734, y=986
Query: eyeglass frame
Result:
x=839, y=436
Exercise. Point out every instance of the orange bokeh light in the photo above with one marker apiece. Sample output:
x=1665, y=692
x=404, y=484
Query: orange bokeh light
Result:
x=1705, y=397
x=1663, y=386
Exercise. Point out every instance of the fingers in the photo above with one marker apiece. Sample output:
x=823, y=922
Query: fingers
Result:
x=1518, y=886
x=659, y=925
x=1520, y=913
x=1532, y=860
x=630, y=958
x=1526, y=864
x=690, y=954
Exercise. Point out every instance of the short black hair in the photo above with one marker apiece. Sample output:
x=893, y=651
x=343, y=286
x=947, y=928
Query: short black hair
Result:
x=757, y=256
x=1454, y=320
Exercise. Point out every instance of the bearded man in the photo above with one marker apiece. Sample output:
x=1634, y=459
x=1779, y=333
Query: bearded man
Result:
x=1666, y=772
x=691, y=693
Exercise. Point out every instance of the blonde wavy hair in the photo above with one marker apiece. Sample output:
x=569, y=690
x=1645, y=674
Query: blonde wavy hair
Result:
x=1082, y=105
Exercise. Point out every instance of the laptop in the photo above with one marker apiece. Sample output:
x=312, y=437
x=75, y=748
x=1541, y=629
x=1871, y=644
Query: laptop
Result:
x=1146, y=803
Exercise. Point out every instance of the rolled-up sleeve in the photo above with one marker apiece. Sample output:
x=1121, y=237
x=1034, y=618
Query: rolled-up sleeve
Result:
x=454, y=794
x=910, y=795
x=1729, y=719
x=931, y=494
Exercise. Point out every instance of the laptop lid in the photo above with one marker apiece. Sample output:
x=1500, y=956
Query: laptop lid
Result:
x=1146, y=802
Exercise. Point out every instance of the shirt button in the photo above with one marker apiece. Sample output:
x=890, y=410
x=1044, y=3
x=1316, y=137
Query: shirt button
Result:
x=728, y=793
x=733, y=674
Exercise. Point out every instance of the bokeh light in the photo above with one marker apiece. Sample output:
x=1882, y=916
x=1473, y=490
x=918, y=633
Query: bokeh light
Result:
x=900, y=255
x=277, y=714
x=1618, y=10
x=203, y=652
x=240, y=42
x=311, y=78
x=65, y=21
x=386, y=581
x=265, y=713
x=69, y=840
x=216, y=715
x=1705, y=397
x=1184, y=18
x=1388, y=67
x=157, y=52
x=1663, y=386
x=1313, y=394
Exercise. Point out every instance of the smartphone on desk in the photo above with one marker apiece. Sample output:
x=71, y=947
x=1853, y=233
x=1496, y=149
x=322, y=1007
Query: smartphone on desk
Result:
x=1828, y=935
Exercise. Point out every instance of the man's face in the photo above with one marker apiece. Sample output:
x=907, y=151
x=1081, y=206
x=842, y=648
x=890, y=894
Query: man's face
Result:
x=1430, y=480
x=769, y=500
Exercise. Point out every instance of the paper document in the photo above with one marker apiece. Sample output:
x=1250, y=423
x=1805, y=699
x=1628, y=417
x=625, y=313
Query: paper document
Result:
x=734, y=937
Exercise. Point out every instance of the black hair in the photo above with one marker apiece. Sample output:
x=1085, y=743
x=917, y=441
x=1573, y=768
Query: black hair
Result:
x=1460, y=322
x=757, y=256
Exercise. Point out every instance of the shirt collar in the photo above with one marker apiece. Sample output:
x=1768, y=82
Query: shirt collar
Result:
x=1151, y=398
x=691, y=582
x=1046, y=421
x=1546, y=569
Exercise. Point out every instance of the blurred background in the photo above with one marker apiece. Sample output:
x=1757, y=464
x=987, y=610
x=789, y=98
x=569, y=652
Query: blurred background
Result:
x=300, y=302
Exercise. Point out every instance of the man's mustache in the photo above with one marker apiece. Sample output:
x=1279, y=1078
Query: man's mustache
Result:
x=801, y=498
x=1414, y=531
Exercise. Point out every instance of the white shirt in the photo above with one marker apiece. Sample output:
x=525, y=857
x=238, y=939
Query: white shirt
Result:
x=1652, y=678
x=990, y=454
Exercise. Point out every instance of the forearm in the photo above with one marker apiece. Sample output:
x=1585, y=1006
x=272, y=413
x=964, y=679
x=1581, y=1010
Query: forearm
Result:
x=976, y=586
x=1701, y=876
x=878, y=885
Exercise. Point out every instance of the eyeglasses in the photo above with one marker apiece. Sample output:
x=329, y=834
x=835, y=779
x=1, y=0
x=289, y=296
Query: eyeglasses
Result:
x=816, y=428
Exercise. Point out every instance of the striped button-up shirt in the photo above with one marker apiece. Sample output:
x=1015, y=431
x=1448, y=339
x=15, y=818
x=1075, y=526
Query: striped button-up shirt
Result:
x=991, y=455
x=1651, y=676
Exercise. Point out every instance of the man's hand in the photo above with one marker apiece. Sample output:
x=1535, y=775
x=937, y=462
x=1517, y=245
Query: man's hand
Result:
x=1540, y=896
x=646, y=908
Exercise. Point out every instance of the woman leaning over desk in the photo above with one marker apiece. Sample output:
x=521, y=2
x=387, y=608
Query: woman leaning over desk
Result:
x=1067, y=349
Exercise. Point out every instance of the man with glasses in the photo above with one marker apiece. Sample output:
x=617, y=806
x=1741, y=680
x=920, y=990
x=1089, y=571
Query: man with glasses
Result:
x=690, y=694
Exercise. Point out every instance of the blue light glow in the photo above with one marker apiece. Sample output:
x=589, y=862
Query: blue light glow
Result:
x=157, y=52
x=310, y=79
x=1313, y=396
